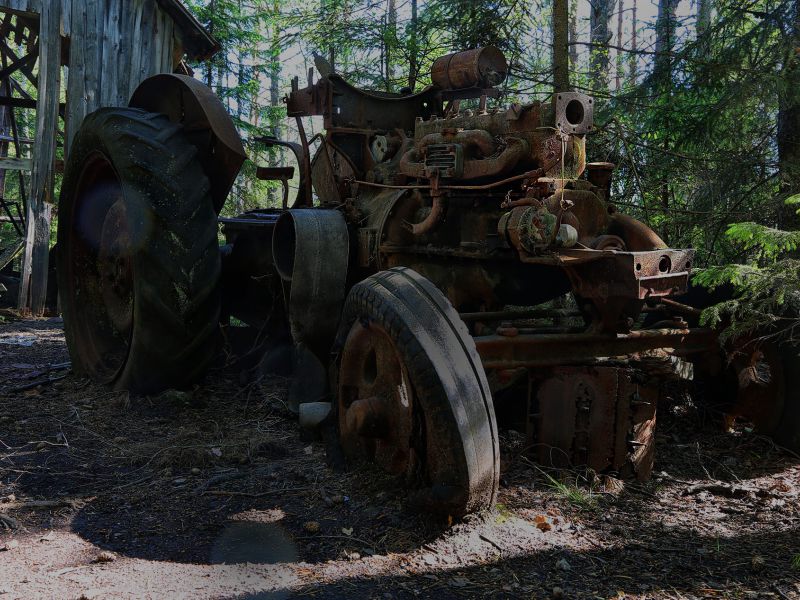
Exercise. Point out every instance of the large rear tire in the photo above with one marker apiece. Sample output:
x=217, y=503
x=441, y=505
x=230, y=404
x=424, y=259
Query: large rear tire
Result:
x=139, y=262
x=412, y=395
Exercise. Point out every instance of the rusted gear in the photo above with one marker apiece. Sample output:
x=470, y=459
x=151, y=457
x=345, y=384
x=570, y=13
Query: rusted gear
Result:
x=412, y=395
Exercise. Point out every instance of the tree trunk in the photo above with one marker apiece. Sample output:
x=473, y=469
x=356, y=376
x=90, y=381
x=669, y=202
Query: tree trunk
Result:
x=620, y=57
x=573, y=35
x=634, y=57
x=413, y=48
x=389, y=41
x=665, y=42
x=662, y=86
x=703, y=17
x=210, y=61
x=788, y=137
x=600, y=17
x=561, y=45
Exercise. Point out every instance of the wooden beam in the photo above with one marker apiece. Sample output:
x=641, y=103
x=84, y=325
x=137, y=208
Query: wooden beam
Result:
x=10, y=163
x=24, y=61
x=17, y=102
x=37, y=240
x=25, y=70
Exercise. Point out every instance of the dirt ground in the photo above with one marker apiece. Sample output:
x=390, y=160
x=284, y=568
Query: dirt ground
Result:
x=215, y=494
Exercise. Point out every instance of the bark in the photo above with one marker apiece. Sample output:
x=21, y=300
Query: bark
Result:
x=561, y=45
x=665, y=42
x=788, y=137
x=413, y=47
x=620, y=43
x=600, y=18
x=662, y=85
x=703, y=17
x=210, y=62
x=573, y=35
x=389, y=41
x=634, y=58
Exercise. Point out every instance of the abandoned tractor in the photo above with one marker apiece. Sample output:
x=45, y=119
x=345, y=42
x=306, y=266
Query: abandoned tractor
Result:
x=418, y=275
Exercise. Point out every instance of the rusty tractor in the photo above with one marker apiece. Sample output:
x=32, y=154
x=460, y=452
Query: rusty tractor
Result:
x=418, y=275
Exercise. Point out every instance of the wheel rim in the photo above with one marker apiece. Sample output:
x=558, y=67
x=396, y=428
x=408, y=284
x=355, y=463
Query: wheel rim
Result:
x=376, y=401
x=100, y=269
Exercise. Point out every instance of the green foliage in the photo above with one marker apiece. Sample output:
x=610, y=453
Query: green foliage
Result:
x=766, y=299
x=768, y=242
x=766, y=292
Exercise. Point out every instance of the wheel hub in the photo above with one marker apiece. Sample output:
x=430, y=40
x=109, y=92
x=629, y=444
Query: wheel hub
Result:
x=115, y=268
x=376, y=416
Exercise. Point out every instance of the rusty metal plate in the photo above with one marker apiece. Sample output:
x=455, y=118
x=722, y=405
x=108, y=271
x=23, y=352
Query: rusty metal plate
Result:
x=599, y=417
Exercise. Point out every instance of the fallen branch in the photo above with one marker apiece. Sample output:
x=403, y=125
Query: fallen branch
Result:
x=8, y=522
x=71, y=502
x=257, y=494
x=203, y=488
x=35, y=384
x=718, y=488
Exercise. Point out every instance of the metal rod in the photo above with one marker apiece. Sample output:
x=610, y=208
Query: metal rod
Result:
x=511, y=315
x=498, y=352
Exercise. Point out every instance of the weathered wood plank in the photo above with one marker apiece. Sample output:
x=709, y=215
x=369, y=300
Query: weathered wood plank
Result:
x=66, y=17
x=110, y=63
x=136, y=46
x=95, y=21
x=12, y=163
x=76, y=84
x=37, y=241
x=158, y=41
x=169, y=44
x=124, y=51
x=146, y=51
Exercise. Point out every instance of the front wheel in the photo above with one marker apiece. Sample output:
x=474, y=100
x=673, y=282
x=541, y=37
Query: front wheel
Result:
x=139, y=261
x=412, y=395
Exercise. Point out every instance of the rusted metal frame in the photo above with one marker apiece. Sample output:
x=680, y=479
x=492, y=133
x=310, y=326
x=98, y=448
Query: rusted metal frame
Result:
x=529, y=351
x=300, y=152
x=282, y=174
x=306, y=167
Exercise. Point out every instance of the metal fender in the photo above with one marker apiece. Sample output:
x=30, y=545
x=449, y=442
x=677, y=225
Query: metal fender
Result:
x=206, y=122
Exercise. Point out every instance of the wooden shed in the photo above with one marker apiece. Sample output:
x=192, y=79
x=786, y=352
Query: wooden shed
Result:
x=78, y=56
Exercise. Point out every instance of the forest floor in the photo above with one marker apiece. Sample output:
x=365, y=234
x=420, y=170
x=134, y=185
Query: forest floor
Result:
x=214, y=494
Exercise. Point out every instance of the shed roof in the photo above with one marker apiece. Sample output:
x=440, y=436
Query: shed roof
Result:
x=199, y=43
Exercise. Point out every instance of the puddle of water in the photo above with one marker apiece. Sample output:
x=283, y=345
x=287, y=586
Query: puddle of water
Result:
x=250, y=542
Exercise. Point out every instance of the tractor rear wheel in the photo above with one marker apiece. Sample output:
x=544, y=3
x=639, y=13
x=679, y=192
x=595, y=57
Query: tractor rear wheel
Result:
x=139, y=261
x=412, y=395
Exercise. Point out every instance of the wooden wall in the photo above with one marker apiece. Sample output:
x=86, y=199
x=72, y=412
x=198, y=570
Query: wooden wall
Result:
x=114, y=46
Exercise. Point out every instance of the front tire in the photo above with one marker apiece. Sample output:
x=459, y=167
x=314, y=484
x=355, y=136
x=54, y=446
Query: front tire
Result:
x=412, y=395
x=139, y=263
